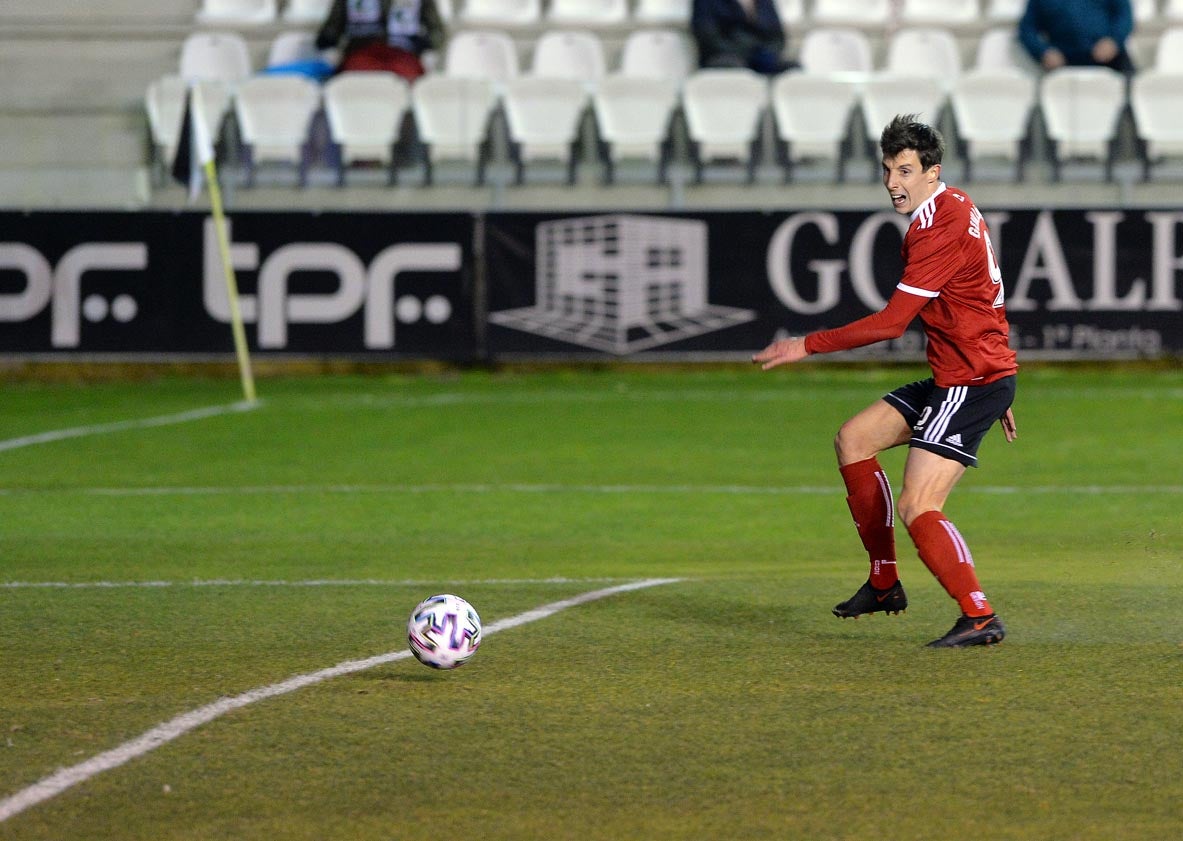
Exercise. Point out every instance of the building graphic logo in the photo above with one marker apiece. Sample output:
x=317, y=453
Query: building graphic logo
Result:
x=621, y=284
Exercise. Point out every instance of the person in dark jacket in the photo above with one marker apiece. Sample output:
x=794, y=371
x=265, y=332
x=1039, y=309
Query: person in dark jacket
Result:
x=390, y=35
x=1078, y=33
x=739, y=33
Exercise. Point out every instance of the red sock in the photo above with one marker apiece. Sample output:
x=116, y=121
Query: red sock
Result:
x=944, y=552
x=873, y=509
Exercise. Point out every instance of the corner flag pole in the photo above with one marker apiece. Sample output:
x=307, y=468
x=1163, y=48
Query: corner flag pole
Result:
x=204, y=148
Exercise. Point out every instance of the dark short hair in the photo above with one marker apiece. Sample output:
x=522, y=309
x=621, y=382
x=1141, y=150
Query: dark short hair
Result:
x=907, y=132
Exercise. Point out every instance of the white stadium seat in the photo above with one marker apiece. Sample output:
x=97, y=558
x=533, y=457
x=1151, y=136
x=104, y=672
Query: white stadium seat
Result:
x=992, y=109
x=924, y=51
x=1081, y=108
x=724, y=109
x=940, y=12
x=812, y=115
x=999, y=49
x=633, y=115
x=365, y=111
x=588, y=12
x=1168, y=55
x=871, y=13
x=292, y=46
x=1005, y=11
x=164, y=102
x=482, y=55
x=569, y=54
x=662, y=12
x=221, y=56
x=657, y=54
x=274, y=116
x=1156, y=100
x=543, y=117
x=236, y=12
x=791, y=12
x=836, y=50
x=501, y=12
x=452, y=116
x=306, y=11
x=886, y=95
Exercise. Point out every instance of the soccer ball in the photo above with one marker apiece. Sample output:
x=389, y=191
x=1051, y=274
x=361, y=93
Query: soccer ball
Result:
x=444, y=631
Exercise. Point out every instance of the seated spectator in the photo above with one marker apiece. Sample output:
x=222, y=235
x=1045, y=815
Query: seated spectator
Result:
x=1076, y=33
x=390, y=35
x=739, y=33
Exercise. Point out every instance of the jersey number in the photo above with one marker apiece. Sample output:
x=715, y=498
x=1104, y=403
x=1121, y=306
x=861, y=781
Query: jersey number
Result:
x=995, y=272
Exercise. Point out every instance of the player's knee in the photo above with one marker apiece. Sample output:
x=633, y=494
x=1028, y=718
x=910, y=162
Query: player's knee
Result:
x=912, y=505
x=851, y=446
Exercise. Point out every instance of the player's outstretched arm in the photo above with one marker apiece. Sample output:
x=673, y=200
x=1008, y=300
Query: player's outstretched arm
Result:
x=781, y=352
x=1008, y=425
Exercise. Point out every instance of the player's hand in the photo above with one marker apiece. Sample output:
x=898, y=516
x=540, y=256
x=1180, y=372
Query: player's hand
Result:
x=1008, y=426
x=781, y=352
x=1053, y=58
x=1105, y=50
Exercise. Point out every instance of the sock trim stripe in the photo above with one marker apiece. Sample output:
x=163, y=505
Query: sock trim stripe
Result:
x=963, y=554
x=888, y=501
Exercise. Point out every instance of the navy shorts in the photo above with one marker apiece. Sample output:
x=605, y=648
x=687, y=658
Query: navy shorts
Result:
x=952, y=422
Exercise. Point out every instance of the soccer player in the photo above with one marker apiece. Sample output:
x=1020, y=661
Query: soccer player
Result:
x=951, y=280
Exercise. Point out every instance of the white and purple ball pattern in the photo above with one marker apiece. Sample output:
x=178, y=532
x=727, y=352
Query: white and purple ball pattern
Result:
x=444, y=631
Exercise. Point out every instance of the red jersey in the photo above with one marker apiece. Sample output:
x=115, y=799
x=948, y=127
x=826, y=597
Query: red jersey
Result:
x=952, y=281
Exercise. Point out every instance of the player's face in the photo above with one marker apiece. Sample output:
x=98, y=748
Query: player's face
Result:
x=908, y=183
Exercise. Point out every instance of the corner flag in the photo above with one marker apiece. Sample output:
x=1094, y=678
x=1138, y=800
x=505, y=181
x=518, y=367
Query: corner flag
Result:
x=195, y=155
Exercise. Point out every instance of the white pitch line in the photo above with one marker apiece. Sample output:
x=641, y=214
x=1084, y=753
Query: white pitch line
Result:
x=547, y=488
x=316, y=582
x=123, y=426
x=162, y=734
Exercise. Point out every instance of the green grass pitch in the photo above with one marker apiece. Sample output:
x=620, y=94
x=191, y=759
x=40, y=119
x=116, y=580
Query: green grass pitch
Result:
x=729, y=704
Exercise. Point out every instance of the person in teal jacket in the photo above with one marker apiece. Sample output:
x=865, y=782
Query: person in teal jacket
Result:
x=1060, y=33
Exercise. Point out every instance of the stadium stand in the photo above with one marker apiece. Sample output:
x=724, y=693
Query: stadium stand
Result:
x=102, y=123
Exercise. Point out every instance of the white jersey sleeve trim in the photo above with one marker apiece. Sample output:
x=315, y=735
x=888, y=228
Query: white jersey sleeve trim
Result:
x=915, y=290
